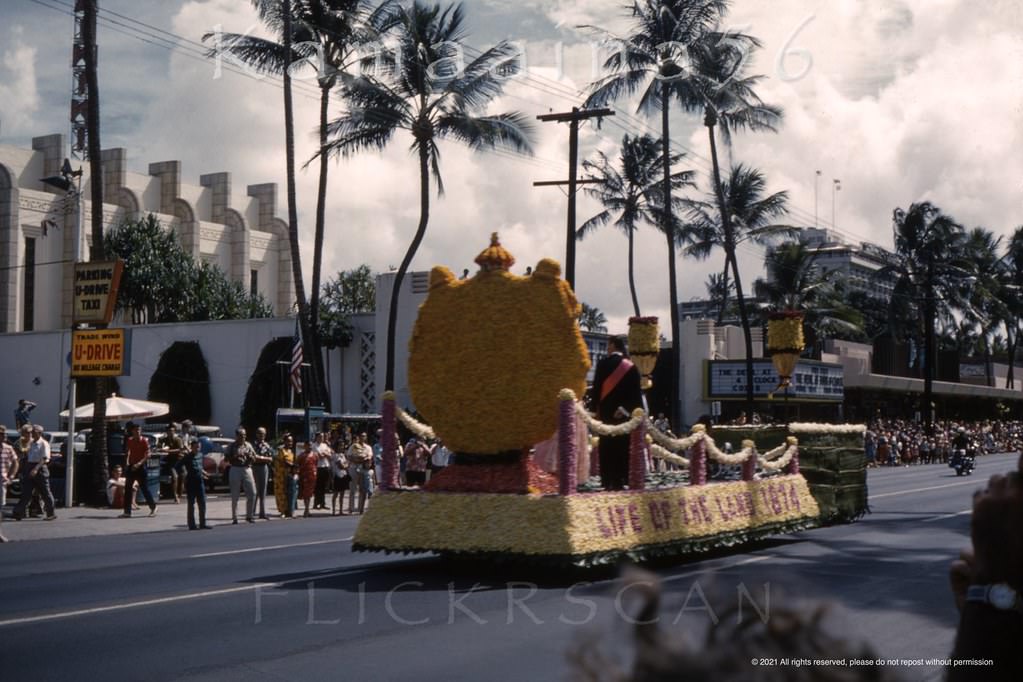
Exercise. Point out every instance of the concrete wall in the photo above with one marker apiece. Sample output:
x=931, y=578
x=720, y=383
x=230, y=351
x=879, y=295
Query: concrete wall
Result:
x=36, y=364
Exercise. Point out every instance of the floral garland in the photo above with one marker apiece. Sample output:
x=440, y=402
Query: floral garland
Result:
x=676, y=444
x=738, y=458
x=602, y=429
x=781, y=462
x=810, y=427
x=667, y=455
x=417, y=427
x=771, y=454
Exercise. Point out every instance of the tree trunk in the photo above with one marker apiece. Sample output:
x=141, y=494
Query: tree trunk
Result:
x=99, y=469
x=676, y=346
x=929, y=347
x=1010, y=342
x=710, y=120
x=724, y=294
x=632, y=273
x=321, y=208
x=296, y=256
x=424, y=218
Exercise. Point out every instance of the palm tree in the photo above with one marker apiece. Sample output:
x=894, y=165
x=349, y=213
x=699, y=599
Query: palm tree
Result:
x=420, y=93
x=1012, y=295
x=981, y=301
x=720, y=88
x=748, y=215
x=719, y=289
x=650, y=59
x=592, y=319
x=632, y=191
x=327, y=35
x=927, y=270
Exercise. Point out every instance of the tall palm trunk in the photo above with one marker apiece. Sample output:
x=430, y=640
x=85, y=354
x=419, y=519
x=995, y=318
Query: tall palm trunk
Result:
x=289, y=150
x=669, y=234
x=930, y=344
x=1010, y=343
x=424, y=218
x=99, y=416
x=724, y=294
x=632, y=273
x=710, y=120
x=321, y=209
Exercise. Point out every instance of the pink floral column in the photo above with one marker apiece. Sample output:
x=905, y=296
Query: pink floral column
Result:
x=749, y=467
x=567, y=476
x=698, y=463
x=793, y=466
x=390, y=443
x=637, y=457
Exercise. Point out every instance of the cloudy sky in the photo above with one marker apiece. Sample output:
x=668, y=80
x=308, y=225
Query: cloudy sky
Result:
x=902, y=100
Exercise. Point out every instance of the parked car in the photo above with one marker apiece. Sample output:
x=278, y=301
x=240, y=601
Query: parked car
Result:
x=213, y=461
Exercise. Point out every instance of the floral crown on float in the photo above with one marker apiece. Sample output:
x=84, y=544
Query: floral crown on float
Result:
x=495, y=256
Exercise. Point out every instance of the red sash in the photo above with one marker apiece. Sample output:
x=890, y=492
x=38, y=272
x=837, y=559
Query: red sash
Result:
x=612, y=380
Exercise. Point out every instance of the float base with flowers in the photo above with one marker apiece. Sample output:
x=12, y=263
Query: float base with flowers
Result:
x=588, y=528
x=496, y=364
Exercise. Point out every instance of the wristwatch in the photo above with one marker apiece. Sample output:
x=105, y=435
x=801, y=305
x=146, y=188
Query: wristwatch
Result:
x=999, y=595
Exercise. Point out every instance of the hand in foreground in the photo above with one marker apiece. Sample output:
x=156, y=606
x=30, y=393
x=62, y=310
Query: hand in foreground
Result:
x=996, y=529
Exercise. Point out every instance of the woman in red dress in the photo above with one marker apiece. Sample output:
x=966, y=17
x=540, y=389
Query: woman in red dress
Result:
x=307, y=475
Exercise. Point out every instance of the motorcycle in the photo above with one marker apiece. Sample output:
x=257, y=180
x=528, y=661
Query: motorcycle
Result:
x=963, y=460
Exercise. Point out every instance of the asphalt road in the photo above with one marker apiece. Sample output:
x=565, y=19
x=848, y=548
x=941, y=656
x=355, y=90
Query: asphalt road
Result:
x=289, y=599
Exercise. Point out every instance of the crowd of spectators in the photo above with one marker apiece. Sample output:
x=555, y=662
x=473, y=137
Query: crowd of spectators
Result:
x=902, y=442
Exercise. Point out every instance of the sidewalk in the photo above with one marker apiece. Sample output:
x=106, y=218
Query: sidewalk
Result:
x=84, y=521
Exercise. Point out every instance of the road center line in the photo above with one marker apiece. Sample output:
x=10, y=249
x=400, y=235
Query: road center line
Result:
x=169, y=600
x=977, y=484
x=268, y=548
x=947, y=516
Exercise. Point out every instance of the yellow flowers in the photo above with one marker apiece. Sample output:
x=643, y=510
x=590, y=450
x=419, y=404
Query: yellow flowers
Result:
x=580, y=525
x=489, y=355
x=785, y=332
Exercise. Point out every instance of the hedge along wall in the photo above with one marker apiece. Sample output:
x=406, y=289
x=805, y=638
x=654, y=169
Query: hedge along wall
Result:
x=182, y=379
x=831, y=459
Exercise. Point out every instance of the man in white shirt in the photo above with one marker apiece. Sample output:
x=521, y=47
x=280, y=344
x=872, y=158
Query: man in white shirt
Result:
x=36, y=475
x=323, y=461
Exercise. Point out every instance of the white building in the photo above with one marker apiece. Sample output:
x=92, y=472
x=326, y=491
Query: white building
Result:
x=241, y=235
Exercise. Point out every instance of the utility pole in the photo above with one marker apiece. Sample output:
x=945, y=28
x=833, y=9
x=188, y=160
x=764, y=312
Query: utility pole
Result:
x=572, y=118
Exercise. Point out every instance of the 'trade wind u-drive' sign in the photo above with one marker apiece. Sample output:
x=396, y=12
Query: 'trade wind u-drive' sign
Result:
x=100, y=352
x=95, y=291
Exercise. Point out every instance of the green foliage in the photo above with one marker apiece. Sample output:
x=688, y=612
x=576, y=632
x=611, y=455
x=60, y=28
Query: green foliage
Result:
x=591, y=319
x=163, y=283
x=351, y=292
x=268, y=385
x=182, y=379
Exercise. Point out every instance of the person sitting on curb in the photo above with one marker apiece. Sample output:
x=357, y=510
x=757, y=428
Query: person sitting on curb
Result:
x=115, y=489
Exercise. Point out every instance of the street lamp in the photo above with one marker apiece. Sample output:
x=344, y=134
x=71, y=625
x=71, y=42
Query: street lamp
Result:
x=836, y=185
x=65, y=182
x=816, y=180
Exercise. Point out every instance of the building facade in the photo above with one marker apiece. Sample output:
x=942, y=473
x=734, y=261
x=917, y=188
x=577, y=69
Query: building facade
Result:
x=243, y=238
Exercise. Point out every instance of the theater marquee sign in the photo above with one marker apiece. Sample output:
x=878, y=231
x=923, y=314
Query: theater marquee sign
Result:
x=811, y=380
x=95, y=291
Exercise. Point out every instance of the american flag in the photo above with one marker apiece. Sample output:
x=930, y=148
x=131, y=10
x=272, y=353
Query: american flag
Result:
x=295, y=375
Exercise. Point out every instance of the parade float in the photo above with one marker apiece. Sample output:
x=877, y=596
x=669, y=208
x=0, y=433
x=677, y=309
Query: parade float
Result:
x=498, y=365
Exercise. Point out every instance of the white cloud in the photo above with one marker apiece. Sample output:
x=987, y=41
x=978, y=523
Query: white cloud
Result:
x=903, y=101
x=19, y=98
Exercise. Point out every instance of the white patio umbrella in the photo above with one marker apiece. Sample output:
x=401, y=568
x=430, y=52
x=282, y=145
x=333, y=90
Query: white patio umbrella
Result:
x=119, y=409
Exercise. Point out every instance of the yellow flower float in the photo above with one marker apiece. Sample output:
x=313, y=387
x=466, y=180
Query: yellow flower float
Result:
x=489, y=354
